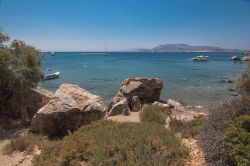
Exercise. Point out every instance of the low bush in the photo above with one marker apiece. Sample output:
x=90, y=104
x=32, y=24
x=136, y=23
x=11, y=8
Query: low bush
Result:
x=188, y=129
x=112, y=143
x=216, y=130
x=25, y=143
x=236, y=142
x=153, y=113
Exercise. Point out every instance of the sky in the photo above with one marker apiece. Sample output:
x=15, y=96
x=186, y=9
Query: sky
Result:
x=85, y=25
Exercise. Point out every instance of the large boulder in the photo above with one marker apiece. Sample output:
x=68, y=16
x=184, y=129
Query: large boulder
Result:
x=68, y=109
x=147, y=90
x=120, y=108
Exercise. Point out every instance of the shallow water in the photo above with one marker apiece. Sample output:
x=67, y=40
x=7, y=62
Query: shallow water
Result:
x=184, y=80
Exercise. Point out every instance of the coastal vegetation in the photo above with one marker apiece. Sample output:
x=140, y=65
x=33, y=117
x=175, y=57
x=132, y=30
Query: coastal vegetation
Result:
x=20, y=70
x=154, y=113
x=187, y=129
x=226, y=134
x=243, y=84
x=108, y=143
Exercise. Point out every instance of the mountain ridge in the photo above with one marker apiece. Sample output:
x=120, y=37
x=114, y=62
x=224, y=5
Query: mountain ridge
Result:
x=186, y=48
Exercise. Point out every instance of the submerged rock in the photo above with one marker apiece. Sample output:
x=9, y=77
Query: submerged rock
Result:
x=232, y=90
x=147, y=90
x=68, y=109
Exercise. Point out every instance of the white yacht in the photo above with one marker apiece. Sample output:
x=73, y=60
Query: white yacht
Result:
x=52, y=74
x=235, y=58
x=200, y=58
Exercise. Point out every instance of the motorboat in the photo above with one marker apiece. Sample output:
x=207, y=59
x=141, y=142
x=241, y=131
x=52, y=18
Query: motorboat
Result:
x=52, y=74
x=200, y=58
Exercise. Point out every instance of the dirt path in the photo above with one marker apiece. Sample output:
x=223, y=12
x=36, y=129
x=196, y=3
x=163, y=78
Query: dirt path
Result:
x=197, y=157
x=17, y=158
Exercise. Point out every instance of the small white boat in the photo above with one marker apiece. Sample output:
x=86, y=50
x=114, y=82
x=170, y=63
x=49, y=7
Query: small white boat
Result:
x=200, y=58
x=235, y=58
x=51, y=74
x=53, y=53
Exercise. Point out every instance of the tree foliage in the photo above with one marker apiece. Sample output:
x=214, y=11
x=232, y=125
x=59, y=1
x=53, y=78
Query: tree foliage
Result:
x=20, y=69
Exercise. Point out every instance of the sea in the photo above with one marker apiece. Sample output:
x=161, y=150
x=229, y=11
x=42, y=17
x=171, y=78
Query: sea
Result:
x=189, y=82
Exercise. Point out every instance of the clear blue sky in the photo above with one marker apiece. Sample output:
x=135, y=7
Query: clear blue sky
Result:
x=85, y=25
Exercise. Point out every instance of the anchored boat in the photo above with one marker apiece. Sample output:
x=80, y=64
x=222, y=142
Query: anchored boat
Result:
x=235, y=58
x=200, y=58
x=52, y=74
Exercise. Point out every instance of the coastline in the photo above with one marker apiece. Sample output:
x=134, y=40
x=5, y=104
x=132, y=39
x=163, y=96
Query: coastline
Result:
x=184, y=80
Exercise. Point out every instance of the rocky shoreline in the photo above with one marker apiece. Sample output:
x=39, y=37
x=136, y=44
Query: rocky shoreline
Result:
x=70, y=106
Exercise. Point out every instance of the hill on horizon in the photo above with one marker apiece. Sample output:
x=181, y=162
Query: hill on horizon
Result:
x=187, y=48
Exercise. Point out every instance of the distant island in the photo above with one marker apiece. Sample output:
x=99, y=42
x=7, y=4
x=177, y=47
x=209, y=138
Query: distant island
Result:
x=186, y=48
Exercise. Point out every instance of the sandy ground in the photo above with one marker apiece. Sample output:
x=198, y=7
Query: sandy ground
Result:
x=17, y=158
x=197, y=157
x=133, y=117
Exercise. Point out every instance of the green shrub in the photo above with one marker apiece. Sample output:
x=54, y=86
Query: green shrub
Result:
x=112, y=143
x=215, y=129
x=188, y=129
x=236, y=142
x=153, y=113
x=25, y=143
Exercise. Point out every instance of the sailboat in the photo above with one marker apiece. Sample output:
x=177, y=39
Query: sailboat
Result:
x=105, y=53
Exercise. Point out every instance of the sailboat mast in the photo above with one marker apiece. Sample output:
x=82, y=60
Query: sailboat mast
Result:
x=105, y=47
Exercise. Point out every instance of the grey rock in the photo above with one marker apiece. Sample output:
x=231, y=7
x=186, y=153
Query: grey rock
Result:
x=68, y=109
x=120, y=108
x=148, y=90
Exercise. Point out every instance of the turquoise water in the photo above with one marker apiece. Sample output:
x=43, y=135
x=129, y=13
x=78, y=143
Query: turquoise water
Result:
x=184, y=80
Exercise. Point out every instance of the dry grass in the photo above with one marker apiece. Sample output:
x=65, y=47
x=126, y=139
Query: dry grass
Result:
x=188, y=129
x=153, y=113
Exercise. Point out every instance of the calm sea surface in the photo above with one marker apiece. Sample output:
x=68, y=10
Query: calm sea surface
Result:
x=184, y=80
